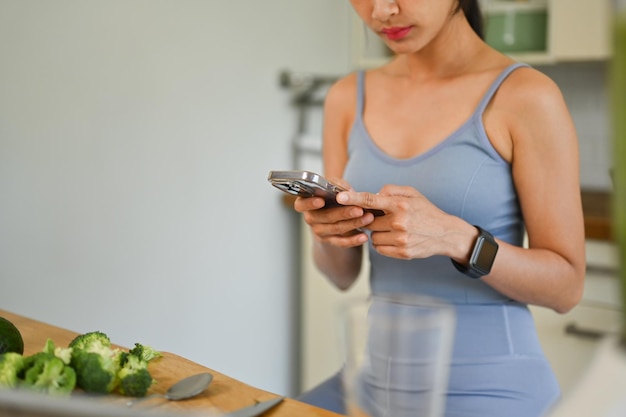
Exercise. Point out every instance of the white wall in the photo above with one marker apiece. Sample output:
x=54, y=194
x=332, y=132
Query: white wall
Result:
x=135, y=138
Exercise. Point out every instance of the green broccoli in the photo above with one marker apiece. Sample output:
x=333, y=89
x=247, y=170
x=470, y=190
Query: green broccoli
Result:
x=134, y=377
x=95, y=361
x=11, y=365
x=65, y=354
x=96, y=370
x=145, y=353
x=91, y=340
x=101, y=368
x=47, y=373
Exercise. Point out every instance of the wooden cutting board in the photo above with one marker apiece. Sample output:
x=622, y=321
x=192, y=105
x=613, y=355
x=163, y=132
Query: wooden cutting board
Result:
x=224, y=394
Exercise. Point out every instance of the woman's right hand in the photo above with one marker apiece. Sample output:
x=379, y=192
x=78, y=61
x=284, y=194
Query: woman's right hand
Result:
x=337, y=225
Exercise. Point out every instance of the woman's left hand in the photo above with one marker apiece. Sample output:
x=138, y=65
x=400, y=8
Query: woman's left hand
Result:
x=412, y=226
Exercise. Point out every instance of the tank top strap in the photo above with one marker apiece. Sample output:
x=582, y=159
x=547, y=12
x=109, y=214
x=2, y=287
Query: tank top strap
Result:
x=495, y=85
x=481, y=105
x=360, y=93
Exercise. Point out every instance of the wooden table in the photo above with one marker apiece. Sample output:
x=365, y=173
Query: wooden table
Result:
x=224, y=393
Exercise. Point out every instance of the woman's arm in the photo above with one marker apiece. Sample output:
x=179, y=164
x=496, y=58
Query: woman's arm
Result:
x=545, y=163
x=337, y=245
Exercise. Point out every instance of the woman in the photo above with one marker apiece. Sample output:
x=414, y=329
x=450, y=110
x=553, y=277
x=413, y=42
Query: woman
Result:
x=464, y=150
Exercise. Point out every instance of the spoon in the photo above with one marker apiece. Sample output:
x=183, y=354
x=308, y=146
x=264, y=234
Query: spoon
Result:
x=183, y=389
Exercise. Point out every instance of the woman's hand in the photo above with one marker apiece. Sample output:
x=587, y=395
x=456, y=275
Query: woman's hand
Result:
x=412, y=226
x=338, y=226
x=338, y=242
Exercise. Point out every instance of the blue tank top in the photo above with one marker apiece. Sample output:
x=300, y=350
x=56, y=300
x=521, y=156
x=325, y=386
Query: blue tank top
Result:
x=464, y=176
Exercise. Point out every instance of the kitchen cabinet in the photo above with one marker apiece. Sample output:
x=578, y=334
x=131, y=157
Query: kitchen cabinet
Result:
x=575, y=31
x=580, y=30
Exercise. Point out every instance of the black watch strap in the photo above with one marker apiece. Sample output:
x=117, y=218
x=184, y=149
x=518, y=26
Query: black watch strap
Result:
x=482, y=257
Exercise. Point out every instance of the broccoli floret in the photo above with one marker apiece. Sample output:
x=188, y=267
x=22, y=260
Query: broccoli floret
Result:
x=134, y=377
x=100, y=368
x=47, y=373
x=65, y=354
x=11, y=365
x=145, y=353
x=89, y=341
x=49, y=347
x=95, y=361
x=96, y=370
x=29, y=361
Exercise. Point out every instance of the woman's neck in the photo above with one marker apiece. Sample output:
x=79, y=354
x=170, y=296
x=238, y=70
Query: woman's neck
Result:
x=455, y=50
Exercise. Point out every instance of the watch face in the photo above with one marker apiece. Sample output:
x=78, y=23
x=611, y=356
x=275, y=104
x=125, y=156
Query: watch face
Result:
x=486, y=254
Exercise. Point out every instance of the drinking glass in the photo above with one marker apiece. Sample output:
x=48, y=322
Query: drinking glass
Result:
x=397, y=351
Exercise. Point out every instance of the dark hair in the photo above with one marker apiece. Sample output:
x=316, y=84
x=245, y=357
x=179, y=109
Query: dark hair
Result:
x=473, y=15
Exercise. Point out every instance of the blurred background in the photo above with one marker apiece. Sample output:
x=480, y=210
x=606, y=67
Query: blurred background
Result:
x=135, y=141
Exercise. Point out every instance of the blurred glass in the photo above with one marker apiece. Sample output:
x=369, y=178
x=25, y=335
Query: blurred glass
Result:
x=397, y=355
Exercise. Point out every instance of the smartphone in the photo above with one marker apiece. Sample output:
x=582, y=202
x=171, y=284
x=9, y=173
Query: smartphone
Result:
x=309, y=184
x=305, y=184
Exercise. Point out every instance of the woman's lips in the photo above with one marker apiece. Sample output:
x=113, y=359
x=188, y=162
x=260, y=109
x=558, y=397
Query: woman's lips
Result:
x=396, y=33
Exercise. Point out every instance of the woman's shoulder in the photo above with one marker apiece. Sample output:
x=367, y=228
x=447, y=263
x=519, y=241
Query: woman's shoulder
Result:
x=346, y=84
x=346, y=89
x=527, y=85
x=533, y=108
x=342, y=93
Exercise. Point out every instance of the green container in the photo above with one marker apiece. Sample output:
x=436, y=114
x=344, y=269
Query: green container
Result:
x=512, y=29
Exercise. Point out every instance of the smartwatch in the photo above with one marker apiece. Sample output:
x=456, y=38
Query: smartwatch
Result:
x=482, y=257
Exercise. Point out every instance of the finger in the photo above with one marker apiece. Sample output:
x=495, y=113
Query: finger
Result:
x=303, y=204
x=343, y=227
x=333, y=214
x=379, y=224
x=390, y=244
x=350, y=241
x=363, y=199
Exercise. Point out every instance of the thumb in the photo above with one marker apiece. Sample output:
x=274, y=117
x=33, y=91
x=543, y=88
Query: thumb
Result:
x=361, y=199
